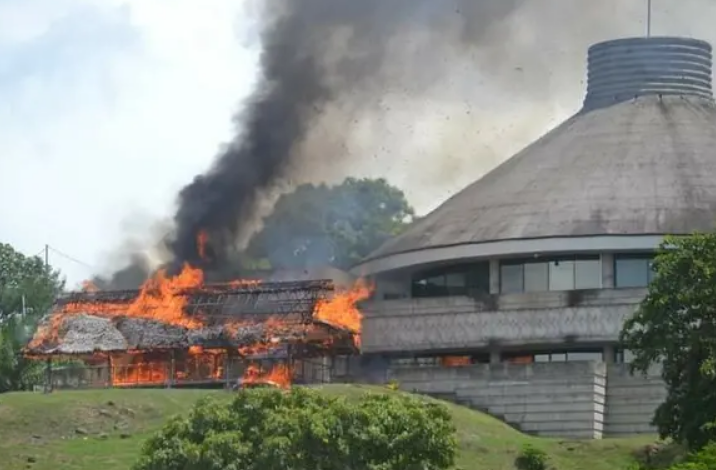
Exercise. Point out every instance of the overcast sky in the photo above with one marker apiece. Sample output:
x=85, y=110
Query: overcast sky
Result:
x=107, y=108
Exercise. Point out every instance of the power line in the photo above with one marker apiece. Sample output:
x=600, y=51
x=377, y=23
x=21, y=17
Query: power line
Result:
x=70, y=258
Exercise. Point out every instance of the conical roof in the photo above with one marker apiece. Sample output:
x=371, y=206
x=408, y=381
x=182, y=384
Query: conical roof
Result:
x=638, y=159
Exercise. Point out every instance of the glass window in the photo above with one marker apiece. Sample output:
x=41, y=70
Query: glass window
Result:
x=632, y=271
x=542, y=358
x=585, y=356
x=452, y=280
x=536, y=276
x=559, y=357
x=478, y=277
x=511, y=278
x=561, y=275
x=588, y=274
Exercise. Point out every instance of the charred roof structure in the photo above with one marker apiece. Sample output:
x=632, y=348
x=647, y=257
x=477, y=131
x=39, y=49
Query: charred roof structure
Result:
x=543, y=258
x=227, y=316
x=196, y=335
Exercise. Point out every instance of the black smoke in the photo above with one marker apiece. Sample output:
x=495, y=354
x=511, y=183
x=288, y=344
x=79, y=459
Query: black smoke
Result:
x=501, y=66
x=315, y=53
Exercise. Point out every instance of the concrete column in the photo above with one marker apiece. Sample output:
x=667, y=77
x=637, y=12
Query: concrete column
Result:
x=608, y=352
x=495, y=356
x=607, y=271
x=494, y=276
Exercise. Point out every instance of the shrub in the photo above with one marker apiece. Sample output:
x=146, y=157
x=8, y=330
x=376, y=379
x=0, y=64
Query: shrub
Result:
x=705, y=459
x=531, y=458
x=305, y=430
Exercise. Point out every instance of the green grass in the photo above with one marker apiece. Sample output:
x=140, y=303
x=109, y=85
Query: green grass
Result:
x=104, y=429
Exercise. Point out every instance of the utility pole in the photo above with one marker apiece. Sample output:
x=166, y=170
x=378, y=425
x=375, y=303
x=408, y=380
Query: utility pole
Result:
x=47, y=256
x=648, y=18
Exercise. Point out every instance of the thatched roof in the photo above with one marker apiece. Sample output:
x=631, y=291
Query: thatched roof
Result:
x=234, y=317
x=87, y=334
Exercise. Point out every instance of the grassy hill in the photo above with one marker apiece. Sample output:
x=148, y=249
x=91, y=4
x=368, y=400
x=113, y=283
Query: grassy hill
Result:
x=104, y=429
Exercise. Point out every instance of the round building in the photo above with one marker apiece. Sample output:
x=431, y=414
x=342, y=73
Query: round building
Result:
x=532, y=269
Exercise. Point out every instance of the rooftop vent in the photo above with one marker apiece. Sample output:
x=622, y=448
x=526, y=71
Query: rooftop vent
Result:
x=624, y=69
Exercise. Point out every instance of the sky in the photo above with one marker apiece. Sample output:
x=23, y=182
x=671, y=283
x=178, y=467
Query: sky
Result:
x=109, y=107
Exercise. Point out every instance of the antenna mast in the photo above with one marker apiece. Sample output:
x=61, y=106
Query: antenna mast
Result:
x=648, y=18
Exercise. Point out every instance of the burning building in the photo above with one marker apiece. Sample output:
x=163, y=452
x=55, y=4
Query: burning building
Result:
x=512, y=294
x=178, y=331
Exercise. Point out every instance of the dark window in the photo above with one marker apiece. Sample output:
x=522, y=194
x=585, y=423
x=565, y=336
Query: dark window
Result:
x=466, y=279
x=554, y=356
x=633, y=270
x=556, y=274
x=512, y=278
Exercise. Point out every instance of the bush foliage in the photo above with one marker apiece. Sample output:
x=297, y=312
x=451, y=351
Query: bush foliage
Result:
x=531, y=458
x=265, y=429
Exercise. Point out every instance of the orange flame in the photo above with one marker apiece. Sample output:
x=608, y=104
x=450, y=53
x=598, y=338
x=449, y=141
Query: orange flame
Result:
x=280, y=376
x=89, y=286
x=341, y=310
x=455, y=361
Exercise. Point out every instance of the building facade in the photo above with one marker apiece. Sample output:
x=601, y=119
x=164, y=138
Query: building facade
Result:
x=512, y=294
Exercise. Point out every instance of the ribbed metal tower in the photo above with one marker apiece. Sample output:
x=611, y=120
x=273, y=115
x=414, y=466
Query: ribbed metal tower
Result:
x=624, y=69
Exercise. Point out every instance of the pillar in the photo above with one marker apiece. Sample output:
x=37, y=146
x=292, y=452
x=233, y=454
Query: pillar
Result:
x=109, y=371
x=494, y=276
x=609, y=353
x=607, y=271
x=495, y=356
x=172, y=369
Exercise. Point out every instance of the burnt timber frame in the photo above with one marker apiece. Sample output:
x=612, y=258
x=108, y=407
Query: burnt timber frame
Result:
x=297, y=298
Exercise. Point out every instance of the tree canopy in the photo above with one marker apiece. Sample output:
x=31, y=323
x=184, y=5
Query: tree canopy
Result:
x=675, y=326
x=267, y=429
x=331, y=225
x=27, y=289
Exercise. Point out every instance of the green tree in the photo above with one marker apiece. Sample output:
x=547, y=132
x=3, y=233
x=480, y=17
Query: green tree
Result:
x=265, y=429
x=27, y=289
x=675, y=326
x=331, y=225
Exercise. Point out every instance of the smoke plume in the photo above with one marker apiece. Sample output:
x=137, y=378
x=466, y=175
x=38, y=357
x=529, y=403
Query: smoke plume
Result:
x=316, y=53
x=432, y=93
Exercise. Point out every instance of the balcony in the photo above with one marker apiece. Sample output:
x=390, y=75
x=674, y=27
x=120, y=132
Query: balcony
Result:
x=582, y=316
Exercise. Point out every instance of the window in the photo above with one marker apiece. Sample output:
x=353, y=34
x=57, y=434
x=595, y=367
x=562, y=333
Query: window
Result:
x=556, y=274
x=561, y=275
x=465, y=279
x=512, y=278
x=588, y=273
x=554, y=356
x=536, y=277
x=633, y=270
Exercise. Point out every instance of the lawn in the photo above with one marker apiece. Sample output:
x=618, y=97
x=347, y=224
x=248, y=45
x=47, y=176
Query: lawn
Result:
x=104, y=429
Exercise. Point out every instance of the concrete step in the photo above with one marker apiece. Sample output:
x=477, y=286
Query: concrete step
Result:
x=618, y=409
x=553, y=392
x=521, y=400
x=548, y=407
x=561, y=428
x=633, y=429
x=586, y=418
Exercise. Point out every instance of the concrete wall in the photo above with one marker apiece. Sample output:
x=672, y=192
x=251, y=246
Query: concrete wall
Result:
x=570, y=399
x=632, y=400
x=555, y=399
x=405, y=325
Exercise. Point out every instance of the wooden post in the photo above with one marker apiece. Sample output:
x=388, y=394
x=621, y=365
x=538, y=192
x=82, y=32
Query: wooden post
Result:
x=110, y=371
x=48, y=374
x=227, y=367
x=172, y=369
